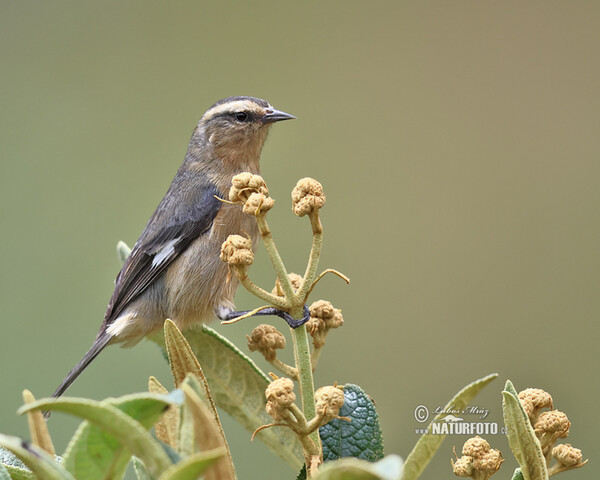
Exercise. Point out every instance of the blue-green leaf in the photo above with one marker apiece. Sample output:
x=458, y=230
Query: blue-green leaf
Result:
x=361, y=437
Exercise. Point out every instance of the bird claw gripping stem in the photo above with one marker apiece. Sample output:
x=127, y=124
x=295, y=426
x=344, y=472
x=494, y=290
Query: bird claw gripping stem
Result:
x=291, y=321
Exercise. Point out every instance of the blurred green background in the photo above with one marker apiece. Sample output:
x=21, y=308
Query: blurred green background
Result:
x=458, y=144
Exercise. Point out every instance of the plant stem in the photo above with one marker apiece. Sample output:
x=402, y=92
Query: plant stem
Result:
x=276, y=260
x=284, y=368
x=305, y=378
x=315, y=254
x=259, y=292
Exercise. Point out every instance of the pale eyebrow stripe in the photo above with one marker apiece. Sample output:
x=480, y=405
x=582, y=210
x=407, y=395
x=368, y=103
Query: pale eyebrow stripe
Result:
x=240, y=105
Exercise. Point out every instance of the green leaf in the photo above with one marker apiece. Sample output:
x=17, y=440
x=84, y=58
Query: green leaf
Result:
x=238, y=387
x=93, y=453
x=521, y=437
x=43, y=466
x=208, y=434
x=141, y=472
x=427, y=445
x=193, y=466
x=389, y=468
x=302, y=473
x=112, y=420
x=517, y=474
x=359, y=438
x=15, y=467
x=123, y=251
x=4, y=475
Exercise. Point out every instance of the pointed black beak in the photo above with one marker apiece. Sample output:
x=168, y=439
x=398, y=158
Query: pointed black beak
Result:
x=272, y=116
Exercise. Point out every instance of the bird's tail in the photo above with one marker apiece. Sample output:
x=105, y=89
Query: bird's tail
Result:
x=102, y=341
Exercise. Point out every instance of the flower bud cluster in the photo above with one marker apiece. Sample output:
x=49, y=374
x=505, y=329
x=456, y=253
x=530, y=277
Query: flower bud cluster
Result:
x=266, y=339
x=549, y=426
x=478, y=460
x=567, y=455
x=252, y=191
x=237, y=251
x=534, y=400
x=323, y=317
x=328, y=401
x=280, y=405
x=307, y=197
x=280, y=397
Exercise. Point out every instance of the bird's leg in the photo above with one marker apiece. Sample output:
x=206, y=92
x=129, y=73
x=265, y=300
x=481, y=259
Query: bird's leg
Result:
x=226, y=314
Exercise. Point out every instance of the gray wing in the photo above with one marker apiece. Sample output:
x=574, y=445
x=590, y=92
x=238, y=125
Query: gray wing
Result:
x=172, y=228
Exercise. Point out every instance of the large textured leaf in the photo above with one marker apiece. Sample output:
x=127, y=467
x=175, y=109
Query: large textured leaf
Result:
x=238, y=386
x=43, y=465
x=207, y=434
x=167, y=426
x=185, y=367
x=132, y=434
x=428, y=444
x=94, y=453
x=390, y=468
x=521, y=437
x=361, y=437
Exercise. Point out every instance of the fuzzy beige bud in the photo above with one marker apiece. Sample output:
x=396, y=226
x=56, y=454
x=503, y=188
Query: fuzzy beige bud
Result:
x=245, y=184
x=281, y=392
x=534, y=400
x=554, y=424
x=463, y=467
x=323, y=317
x=252, y=191
x=258, y=204
x=567, y=455
x=476, y=447
x=280, y=395
x=237, y=251
x=489, y=463
x=266, y=339
x=307, y=197
x=328, y=401
x=295, y=280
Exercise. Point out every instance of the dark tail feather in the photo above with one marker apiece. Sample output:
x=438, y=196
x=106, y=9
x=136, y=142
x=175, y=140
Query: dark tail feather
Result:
x=97, y=347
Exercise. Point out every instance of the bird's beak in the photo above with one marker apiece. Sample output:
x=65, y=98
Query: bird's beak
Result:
x=271, y=116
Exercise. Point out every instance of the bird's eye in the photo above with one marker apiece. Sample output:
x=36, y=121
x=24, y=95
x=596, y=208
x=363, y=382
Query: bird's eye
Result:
x=241, y=116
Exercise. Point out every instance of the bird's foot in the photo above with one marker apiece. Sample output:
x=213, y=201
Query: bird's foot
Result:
x=227, y=315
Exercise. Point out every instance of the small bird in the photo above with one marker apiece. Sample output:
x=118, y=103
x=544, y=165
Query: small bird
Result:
x=174, y=270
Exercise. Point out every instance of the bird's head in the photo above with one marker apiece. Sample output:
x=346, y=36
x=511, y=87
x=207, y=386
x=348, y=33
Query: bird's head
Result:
x=236, y=128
